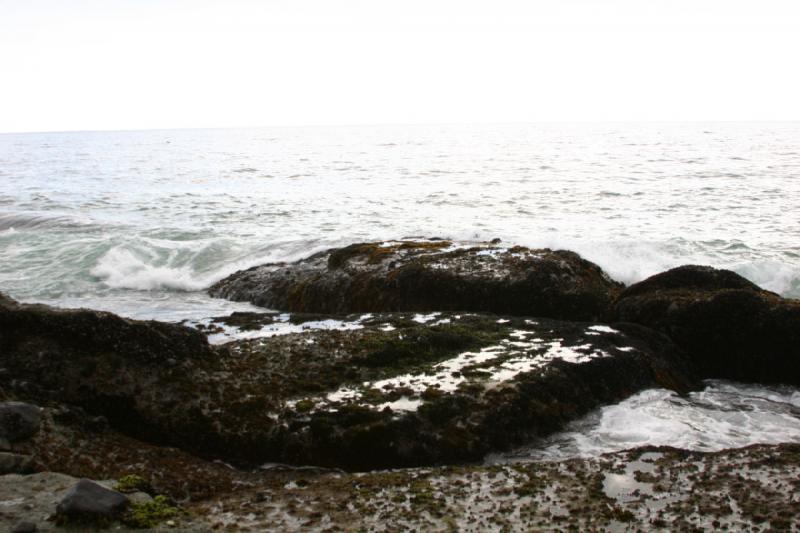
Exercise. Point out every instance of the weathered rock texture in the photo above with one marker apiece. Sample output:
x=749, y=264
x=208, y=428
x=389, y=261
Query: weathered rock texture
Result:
x=731, y=328
x=18, y=421
x=429, y=276
x=402, y=390
x=88, y=501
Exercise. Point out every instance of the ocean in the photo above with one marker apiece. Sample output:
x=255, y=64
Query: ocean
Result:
x=141, y=222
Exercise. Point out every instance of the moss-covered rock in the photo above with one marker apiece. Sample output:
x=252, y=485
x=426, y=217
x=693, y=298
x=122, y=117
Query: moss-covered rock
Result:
x=731, y=328
x=398, y=390
x=430, y=275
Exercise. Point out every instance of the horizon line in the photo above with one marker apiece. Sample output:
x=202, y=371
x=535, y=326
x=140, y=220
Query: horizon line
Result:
x=404, y=124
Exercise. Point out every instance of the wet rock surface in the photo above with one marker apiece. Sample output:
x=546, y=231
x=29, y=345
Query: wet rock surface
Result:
x=730, y=327
x=432, y=275
x=400, y=390
x=41, y=331
x=653, y=489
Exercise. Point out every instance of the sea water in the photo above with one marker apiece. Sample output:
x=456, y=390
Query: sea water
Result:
x=141, y=222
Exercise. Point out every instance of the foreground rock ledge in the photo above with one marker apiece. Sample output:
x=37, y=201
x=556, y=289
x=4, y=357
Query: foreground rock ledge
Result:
x=650, y=489
x=400, y=390
x=434, y=275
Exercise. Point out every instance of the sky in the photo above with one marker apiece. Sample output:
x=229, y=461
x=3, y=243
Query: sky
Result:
x=138, y=64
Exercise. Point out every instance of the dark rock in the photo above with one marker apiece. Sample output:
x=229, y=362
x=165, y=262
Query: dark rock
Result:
x=55, y=355
x=18, y=421
x=15, y=463
x=401, y=390
x=25, y=527
x=88, y=501
x=429, y=276
x=730, y=327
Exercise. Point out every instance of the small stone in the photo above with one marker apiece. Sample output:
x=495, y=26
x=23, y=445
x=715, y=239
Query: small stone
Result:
x=15, y=463
x=139, y=497
x=18, y=421
x=171, y=523
x=25, y=527
x=88, y=500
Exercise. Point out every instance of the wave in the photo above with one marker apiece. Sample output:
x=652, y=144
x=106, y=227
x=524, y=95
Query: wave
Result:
x=33, y=220
x=122, y=269
x=187, y=266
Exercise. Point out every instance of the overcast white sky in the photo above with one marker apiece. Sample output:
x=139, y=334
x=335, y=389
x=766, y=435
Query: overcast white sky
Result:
x=106, y=64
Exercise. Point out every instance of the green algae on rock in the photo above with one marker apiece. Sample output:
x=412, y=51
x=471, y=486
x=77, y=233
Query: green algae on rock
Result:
x=403, y=390
x=430, y=275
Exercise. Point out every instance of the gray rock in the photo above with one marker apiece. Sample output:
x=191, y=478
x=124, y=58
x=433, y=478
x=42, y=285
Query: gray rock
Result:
x=139, y=497
x=18, y=421
x=15, y=463
x=25, y=527
x=88, y=500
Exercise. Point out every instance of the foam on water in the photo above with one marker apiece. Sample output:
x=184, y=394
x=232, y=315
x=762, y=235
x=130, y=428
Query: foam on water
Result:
x=122, y=269
x=723, y=415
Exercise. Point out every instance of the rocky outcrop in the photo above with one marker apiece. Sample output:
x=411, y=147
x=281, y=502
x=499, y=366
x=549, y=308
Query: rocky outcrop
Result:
x=397, y=390
x=50, y=354
x=41, y=331
x=730, y=327
x=433, y=275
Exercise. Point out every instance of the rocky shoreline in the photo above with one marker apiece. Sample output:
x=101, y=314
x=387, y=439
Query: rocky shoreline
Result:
x=412, y=354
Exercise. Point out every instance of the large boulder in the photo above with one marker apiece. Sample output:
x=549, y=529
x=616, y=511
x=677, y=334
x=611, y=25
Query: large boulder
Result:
x=434, y=275
x=730, y=327
x=381, y=391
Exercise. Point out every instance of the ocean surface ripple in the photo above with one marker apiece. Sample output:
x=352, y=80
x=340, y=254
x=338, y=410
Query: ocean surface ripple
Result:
x=117, y=220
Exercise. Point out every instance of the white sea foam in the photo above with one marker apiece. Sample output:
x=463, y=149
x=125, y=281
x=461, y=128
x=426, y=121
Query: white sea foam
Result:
x=122, y=269
x=723, y=415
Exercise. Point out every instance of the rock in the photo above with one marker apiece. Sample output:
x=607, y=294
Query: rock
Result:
x=139, y=498
x=18, y=421
x=15, y=463
x=657, y=489
x=433, y=275
x=89, y=501
x=25, y=527
x=730, y=327
x=32, y=499
x=51, y=353
x=393, y=390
